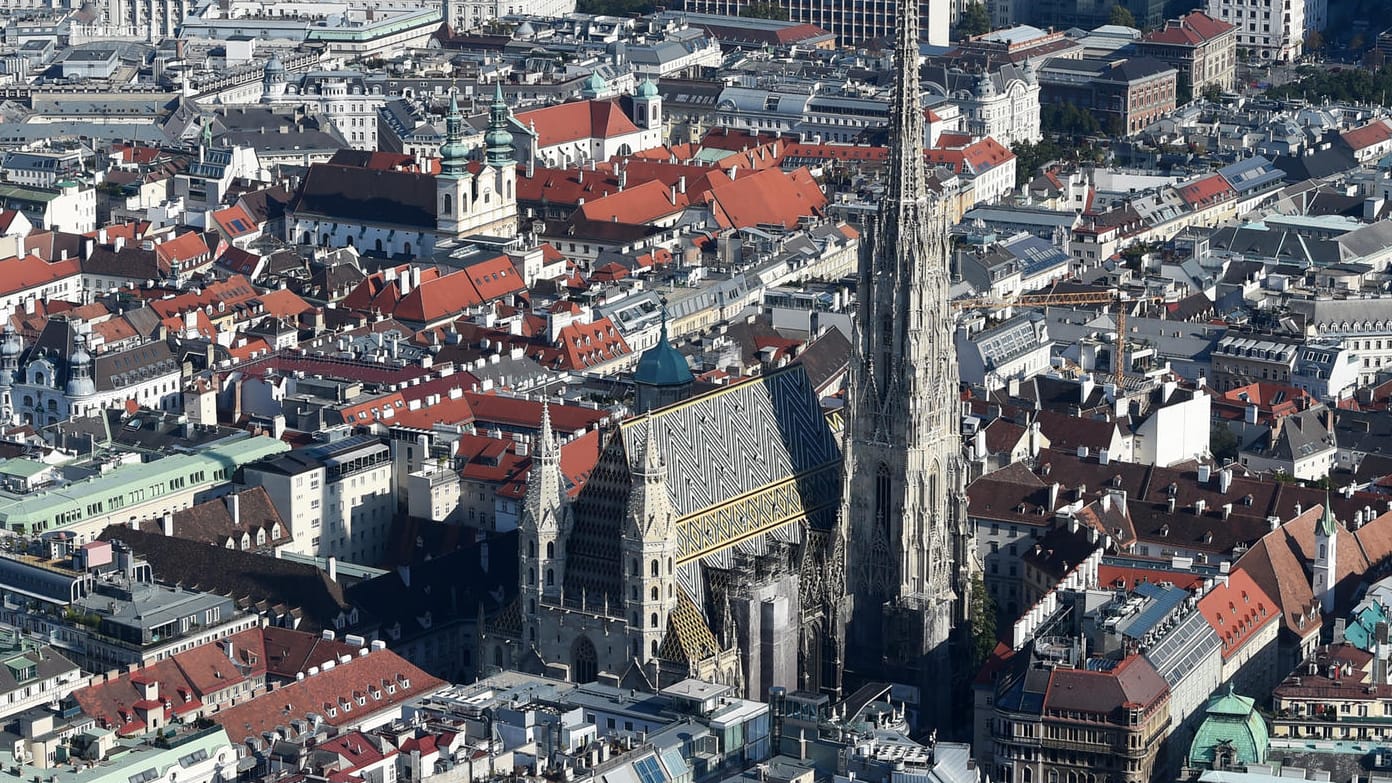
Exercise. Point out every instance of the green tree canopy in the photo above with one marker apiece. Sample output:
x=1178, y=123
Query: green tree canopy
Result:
x=973, y=21
x=983, y=621
x=1122, y=15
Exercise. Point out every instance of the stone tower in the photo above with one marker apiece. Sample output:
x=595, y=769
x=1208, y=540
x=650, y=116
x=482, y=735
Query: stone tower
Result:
x=649, y=547
x=902, y=534
x=1325, y=572
x=545, y=523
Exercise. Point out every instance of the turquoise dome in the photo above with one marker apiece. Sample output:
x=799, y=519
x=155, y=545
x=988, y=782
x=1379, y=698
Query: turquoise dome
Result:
x=1233, y=725
x=663, y=365
x=648, y=89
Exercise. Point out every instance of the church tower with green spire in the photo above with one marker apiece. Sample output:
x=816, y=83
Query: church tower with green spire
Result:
x=482, y=202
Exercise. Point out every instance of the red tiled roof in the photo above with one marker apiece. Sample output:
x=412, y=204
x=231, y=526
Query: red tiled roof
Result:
x=235, y=221
x=768, y=197
x=1373, y=133
x=284, y=303
x=1238, y=610
x=637, y=205
x=578, y=120
x=382, y=679
x=182, y=249
x=31, y=271
x=586, y=345
x=565, y=186
x=1192, y=29
x=1206, y=191
x=1121, y=577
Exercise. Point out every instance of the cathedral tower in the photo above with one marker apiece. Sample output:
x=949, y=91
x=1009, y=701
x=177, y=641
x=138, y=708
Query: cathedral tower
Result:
x=545, y=524
x=650, y=549
x=902, y=531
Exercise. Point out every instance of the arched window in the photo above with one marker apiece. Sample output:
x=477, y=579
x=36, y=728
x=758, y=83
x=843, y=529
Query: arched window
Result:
x=378, y=244
x=634, y=623
x=306, y=239
x=634, y=593
x=1322, y=553
x=656, y=594
x=654, y=648
x=550, y=577
x=550, y=549
x=324, y=240
x=653, y=620
x=883, y=486
x=633, y=567
x=670, y=566
x=655, y=568
x=406, y=248
x=447, y=204
x=584, y=659
x=531, y=606
x=531, y=549
x=531, y=576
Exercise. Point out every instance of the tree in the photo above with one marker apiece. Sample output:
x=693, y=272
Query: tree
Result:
x=1222, y=443
x=764, y=10
x=1122, y=15
x=974, y=21
x=1314, y=42
x=1212, y=93
x=983, y=621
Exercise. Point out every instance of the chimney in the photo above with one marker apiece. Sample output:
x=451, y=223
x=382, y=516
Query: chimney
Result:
x=234, y=507
x=167, y=523
x=332, y=568
x=405, y=282
x=119, y=244
x=1224, y=479
x=1204, y=472
x=101, y=236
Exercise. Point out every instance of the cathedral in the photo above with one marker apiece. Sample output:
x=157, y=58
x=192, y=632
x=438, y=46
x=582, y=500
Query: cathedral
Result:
x=738, y=536
x=903, y=533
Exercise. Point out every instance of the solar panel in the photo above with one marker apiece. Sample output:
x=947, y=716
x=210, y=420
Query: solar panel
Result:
x=649, y=771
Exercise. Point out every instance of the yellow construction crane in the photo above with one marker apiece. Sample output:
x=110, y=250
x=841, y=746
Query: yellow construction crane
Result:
x=1117, y=298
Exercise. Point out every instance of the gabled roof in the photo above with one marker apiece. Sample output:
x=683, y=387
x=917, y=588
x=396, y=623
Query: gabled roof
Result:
x=1192, y=29
x=577, y=120
x=235, y=221
x=1237, y=609
x=767, y=197
x=382, y=679
x=1372, y=134
x=367, y=196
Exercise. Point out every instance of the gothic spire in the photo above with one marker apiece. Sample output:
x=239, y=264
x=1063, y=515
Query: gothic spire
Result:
x=906, y=175
x=652, y=455
x=546, y=449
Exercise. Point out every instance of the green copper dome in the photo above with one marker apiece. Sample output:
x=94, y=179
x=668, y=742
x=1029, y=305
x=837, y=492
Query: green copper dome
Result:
x=453, y=154
x=648, y=89
x=595, y=83
x=662, y=365
x=498, y=140
x=1233, y=724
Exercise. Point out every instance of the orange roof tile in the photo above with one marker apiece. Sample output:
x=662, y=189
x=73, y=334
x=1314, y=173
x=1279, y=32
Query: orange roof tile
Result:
x=768, y=197
x=578, y=120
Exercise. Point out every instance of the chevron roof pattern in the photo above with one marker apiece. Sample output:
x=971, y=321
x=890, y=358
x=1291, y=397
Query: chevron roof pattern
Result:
x=724, y=447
